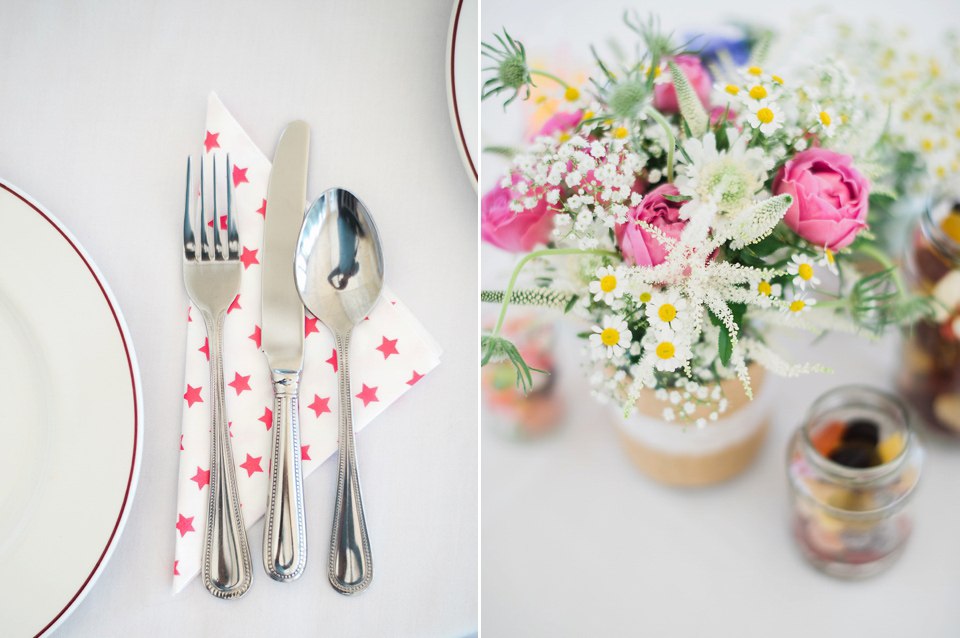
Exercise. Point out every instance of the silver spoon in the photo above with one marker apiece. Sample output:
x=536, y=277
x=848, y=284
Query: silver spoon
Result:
x=339, y=273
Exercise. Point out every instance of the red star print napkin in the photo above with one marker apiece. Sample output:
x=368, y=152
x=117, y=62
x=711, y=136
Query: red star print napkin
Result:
x=389, y=353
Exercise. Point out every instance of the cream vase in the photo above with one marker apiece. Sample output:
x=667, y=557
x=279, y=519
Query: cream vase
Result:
x=683, y=454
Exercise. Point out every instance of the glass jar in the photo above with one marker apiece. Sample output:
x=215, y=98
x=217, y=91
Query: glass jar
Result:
x=930, y=375
x=853, y=468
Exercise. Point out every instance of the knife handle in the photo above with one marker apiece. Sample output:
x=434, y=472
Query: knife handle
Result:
x=284, y=533
x=226, y=568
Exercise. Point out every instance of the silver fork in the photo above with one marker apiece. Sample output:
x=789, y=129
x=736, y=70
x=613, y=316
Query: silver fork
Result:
x=213, y=281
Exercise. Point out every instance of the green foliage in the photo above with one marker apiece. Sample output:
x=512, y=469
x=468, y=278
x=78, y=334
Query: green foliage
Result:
x=694, y=115
x=725, y=349
x=497, y=349
x=512, y=72
x=558, y=299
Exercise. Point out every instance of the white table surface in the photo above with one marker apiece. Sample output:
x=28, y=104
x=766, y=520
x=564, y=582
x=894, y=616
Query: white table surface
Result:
x=99, y=105
x=577, y=542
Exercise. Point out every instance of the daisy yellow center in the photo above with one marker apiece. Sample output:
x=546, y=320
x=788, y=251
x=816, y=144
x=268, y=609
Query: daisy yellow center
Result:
x=764, y=288
x=778, y=79
x=805, y=271
x=758, y=92
x=928, y=117
x=564, y=137
x=829, y=254
x=666, y=350
x=732, y=89
x=620, y=133
x=610, y=336
x=541, y=99
x=588, y=115
x=825, y=118
x=755, y=70
x=797, y=306
x=608, y=283
x=927, y=145
x=645, y=297
x=667, y=312
x=572, y=94
x=765, y=115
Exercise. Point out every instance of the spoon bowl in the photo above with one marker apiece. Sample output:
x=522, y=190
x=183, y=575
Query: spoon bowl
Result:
x=338, y=268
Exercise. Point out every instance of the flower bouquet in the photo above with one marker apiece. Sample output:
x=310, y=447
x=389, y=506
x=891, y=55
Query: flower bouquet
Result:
x=696, y=207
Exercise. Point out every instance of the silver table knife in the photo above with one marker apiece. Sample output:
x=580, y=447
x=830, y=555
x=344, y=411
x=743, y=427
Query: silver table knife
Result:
x=284, y=533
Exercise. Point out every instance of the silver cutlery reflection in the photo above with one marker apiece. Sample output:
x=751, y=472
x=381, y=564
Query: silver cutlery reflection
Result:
x=339, y=274
x=213, y=281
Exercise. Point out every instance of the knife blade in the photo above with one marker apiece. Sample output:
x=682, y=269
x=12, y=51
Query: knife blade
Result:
x=282, y=323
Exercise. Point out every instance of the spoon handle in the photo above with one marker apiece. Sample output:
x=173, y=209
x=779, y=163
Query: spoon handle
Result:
x=284, y=533
x=351, y=564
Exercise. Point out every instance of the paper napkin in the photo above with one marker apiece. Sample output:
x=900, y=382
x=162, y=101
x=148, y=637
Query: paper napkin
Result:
x=389, y=353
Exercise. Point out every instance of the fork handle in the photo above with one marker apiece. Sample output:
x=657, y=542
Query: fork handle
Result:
x=284, y=533
x=226, y=570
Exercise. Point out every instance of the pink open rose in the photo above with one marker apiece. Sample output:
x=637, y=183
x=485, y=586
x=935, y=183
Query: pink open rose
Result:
x=665, y=96
x=830, y=198
x=638, y=245
x=511, y=230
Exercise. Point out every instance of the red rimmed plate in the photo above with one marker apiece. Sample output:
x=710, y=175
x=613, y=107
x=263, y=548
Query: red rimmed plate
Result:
x=71, y=432
x=463, y=77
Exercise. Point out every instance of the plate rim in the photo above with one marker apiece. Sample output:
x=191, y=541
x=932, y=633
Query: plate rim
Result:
x=465, y=157
x=134, y=369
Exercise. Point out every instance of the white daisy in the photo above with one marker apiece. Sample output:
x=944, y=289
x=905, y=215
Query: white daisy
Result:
x=826, y=119
x=670, y=352
x=726, y=180
x=802, y=269
x=767, y=293
x=611, y=340
x=801, y=303
x=829, y=261
x=642, y=293
x=607, y=287
x=765, y=115
x=668, y=310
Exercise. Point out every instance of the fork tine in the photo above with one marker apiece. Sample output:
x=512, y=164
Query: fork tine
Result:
x=204, y=242
x=217, y=246
x=189, y=241
x=233, y=239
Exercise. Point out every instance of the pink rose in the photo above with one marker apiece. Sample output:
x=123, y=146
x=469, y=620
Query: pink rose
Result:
x=830, y=198
x=511, y=230
x=560, y=122
x=637, y=245
x=665, y=96
x=717, y=112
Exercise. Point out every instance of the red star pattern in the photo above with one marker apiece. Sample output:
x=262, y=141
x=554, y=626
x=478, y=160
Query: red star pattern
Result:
x=310, y=326
x=230, y=428
x=333, y=360
x=202, y=477
x=206, y=347
x=263, y=209
x=181, y=443
x=388, y=347
x=189, y=318
x=416, y=377
x=235, y=305
x=240, y=382
x=305, y=453
x=210, y=142
x=368, y=395
x=252, y=465
x=267, y=418
x=192, y=395
x=319, y=406
x=184, y=525
x=176, y=572
x=256, y=336
x=223, y=222
x=239, y=176
x=249, y=257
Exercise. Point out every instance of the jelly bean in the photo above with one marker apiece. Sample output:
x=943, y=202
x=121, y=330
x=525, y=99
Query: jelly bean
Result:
x=890, y=447
x=827, y=438
x=861, y=430
x=856, y=455
x=951, y=226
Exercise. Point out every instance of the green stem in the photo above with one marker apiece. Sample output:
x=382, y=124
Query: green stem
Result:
x=671, y=141
x=538, y=253
x=872, y=251
x=550, y=76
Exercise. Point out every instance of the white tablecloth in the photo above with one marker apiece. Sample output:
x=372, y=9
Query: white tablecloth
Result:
x=101, y=103
x=577, y=542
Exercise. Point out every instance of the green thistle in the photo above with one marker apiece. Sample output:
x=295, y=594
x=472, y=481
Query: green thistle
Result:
x=690, y=106
x=511, y=67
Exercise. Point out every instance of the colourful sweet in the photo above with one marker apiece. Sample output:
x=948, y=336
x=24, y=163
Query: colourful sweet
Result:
x=828, y=437
x=951, y=225
x=864, y=430
x=890, y=447
x=855, y=454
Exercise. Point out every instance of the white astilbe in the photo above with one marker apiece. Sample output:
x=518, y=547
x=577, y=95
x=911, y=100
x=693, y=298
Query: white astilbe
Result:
x=760, y=352
x=817, y=320
x=749, y=228
x=690, y=106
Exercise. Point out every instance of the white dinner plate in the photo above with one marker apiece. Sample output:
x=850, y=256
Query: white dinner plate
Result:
x=71, y=425
x=463, y=77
